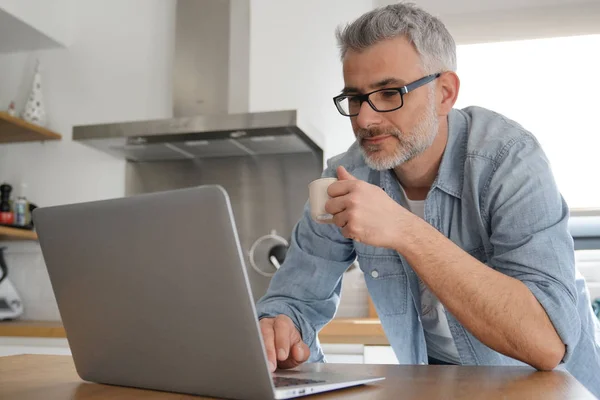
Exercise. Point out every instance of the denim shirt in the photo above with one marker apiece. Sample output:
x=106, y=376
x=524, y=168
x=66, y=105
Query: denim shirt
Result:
x=496, y=198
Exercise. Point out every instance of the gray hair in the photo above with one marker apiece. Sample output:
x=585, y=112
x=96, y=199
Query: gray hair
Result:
x=427, y=34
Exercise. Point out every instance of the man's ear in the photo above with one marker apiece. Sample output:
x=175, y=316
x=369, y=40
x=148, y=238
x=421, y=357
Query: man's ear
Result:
x=447, y=93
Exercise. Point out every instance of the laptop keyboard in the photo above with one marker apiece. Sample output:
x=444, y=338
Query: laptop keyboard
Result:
x=280, y=381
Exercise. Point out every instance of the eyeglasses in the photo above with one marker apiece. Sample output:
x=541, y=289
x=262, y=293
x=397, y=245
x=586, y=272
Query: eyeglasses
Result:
x=382, y=100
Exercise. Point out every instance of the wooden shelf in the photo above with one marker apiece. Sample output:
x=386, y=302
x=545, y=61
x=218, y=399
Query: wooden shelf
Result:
x=14, y=130
x=7, y=233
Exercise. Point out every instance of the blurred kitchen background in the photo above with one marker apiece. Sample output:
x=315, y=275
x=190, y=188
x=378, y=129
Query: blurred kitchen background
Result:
x=153, y=95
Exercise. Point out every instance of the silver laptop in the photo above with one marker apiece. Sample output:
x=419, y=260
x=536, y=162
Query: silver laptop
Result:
x=153, y=293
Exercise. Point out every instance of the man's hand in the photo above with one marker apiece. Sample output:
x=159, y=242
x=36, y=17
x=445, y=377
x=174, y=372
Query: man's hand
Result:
x=365, y=212
x=283, y=343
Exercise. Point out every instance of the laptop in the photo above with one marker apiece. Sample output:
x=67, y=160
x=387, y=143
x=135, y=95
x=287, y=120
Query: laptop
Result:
x=153, y=293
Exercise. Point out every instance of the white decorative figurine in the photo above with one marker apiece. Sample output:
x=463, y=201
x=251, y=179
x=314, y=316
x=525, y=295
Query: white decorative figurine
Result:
x=34, y=111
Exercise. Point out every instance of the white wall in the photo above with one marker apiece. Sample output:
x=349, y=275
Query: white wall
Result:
x=294, y=61
x=116, y=74
x=475, y=21
x=118, y=68
x=530, y=68
x=476, y=6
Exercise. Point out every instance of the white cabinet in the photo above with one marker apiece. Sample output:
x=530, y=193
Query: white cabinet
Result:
x=588, y=264
x=27, y=25
x=344, y=353
x=10, y=346
x=379, y=355
x=359, y=354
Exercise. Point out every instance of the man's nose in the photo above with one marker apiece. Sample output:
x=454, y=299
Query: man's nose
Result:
x=367, y=116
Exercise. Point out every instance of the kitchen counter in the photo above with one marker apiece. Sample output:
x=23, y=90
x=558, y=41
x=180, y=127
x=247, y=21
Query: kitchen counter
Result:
x=32, y=329
x=35, y=377
x=367, y=331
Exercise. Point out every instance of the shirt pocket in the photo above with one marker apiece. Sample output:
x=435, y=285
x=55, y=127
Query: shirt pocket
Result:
x=386, y=282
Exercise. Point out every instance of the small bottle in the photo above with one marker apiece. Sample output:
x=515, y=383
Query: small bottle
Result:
x=21, y=207
x=6, y=214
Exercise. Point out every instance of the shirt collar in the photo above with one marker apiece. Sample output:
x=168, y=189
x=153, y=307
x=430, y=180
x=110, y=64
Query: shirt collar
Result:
x=451, y=172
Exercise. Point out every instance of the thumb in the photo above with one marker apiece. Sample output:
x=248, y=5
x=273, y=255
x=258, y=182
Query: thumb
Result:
x=300, y=352
x=344, y=175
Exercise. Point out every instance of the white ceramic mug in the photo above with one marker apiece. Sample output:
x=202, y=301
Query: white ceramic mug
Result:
x=318, y=196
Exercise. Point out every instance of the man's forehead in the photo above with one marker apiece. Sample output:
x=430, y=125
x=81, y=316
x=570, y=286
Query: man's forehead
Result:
x=391, y=62
x=390, y=81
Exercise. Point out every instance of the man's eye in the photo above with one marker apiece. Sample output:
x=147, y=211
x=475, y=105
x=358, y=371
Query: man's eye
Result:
x=388, y=94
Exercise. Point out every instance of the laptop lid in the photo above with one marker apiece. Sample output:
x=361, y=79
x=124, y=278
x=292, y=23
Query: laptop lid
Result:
x=153, y=293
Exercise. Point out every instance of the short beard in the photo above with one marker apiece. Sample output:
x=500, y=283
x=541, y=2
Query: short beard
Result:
x=408, y=147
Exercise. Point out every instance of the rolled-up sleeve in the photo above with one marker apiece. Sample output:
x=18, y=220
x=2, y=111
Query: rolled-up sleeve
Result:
x=528, y=221
x=307, y=286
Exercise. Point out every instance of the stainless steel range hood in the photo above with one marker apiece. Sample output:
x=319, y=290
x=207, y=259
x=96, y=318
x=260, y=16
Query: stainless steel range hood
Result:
x=211, y=83
x=219, y=135
x=264, y=160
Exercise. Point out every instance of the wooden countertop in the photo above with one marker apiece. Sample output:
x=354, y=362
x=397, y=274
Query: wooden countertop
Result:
x=33, y=377
x=40, y=329
x=366, y=331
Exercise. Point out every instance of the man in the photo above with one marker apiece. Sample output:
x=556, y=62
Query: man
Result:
x=453, y=215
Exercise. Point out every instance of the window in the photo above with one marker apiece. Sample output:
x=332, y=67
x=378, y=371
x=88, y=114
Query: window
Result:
x=552, y=88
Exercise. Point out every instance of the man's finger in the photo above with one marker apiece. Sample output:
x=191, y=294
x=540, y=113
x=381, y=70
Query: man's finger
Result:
x=300, y=352
x=350, y=233
x=344, y=175
x=283, y=334
x=335, y=205
x=340, y=219
x=340, y=188
x=268, y=334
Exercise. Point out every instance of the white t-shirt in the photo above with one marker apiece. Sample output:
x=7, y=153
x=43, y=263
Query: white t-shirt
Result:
x=440, y=344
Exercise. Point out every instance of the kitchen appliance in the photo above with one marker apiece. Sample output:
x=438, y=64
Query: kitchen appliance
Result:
x=265, y=160
x=11, y=306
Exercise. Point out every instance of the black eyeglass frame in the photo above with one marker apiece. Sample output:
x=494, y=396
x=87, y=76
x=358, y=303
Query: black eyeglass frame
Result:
x=365, y=97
